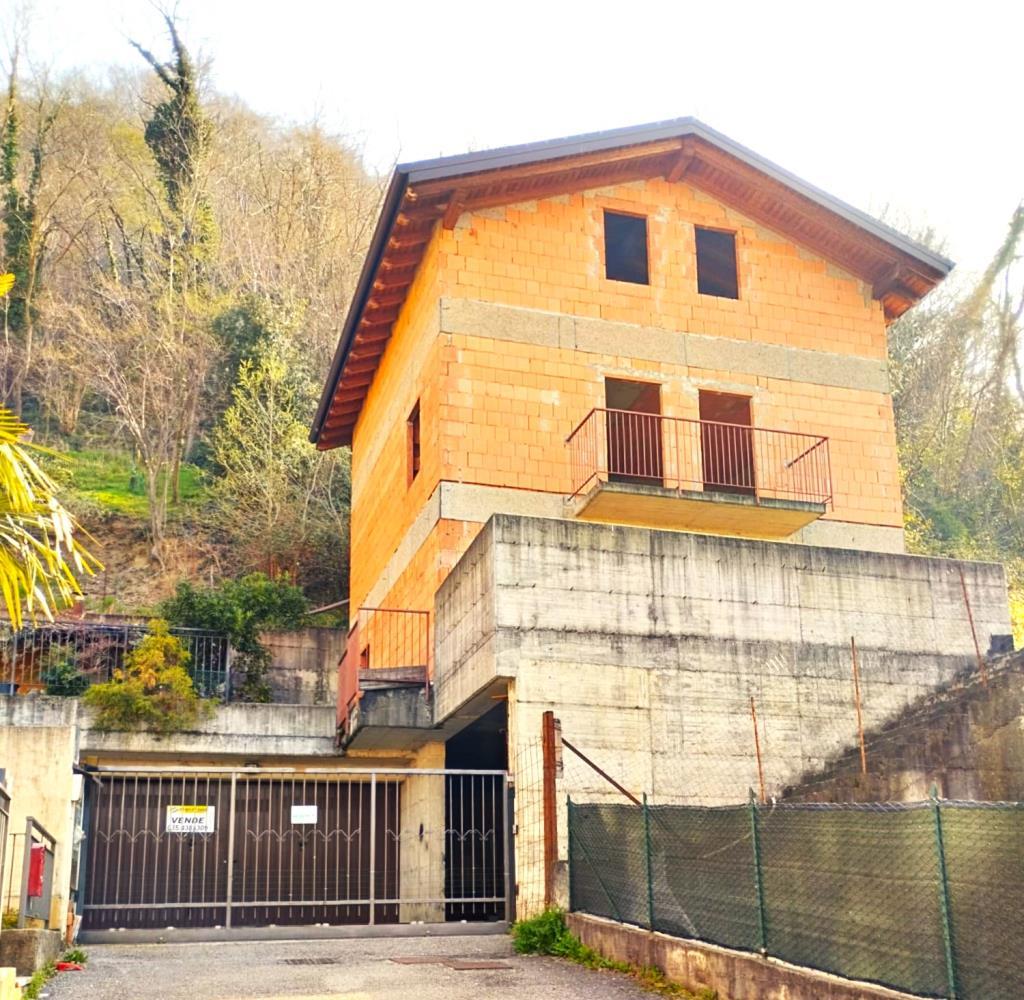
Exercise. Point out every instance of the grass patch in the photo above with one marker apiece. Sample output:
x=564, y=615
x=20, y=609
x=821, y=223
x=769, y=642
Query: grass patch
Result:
x=548, y=934
x=111, y=481
x=75, y=955
x=41, y=977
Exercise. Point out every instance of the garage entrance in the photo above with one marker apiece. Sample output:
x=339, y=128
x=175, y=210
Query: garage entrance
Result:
x=255, y=847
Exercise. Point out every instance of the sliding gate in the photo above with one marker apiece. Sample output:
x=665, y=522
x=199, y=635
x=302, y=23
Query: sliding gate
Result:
x=257, y=847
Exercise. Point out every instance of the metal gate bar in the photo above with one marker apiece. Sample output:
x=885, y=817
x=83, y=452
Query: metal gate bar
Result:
x=288, y=846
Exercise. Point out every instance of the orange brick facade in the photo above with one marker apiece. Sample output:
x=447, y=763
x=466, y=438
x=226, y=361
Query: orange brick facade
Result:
x=497, y=412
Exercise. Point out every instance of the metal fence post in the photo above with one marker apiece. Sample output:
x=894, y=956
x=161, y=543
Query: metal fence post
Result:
x=373, y=847
x=755, y=833
x=26, y=866
x=229, y=891
x=650, y=874
x=568, y=834
x=947, y=916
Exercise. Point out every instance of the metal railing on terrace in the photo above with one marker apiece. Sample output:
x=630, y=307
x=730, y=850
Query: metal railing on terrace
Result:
x=388, y=645
x=96, y=650
x=679, y=453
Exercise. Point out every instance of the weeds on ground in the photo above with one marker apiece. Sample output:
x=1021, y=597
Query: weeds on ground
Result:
x=42, y=976
x=38, y=981
x=548, y=934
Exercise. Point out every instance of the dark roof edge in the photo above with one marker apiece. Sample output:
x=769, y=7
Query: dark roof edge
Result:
x=552, y=149
x=392, y=199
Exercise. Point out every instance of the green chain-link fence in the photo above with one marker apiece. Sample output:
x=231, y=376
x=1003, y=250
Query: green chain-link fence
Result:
x=924, y=897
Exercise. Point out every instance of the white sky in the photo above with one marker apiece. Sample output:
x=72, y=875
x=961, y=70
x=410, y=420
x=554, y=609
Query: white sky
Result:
x=906, y=104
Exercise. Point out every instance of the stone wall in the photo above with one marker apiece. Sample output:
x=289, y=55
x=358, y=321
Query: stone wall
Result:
x=966, y=739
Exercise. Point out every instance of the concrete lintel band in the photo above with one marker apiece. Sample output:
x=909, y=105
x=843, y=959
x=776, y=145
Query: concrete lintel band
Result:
x=533, y=326
x=476, y=503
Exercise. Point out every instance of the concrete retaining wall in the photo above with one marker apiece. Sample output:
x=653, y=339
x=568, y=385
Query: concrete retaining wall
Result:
x=734, y=975
x=967, y=739
x=649, y=645
x=255, y=731
x=304, y=665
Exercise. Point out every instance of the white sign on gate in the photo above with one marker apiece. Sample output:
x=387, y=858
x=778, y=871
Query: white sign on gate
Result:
x=191, y=819
x=303, y=814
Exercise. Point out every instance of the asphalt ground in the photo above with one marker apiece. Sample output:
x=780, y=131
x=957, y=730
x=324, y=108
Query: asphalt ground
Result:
x=442, y=968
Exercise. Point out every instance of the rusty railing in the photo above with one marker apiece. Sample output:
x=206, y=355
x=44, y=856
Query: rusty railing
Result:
x=698, y=455
x=385, y=645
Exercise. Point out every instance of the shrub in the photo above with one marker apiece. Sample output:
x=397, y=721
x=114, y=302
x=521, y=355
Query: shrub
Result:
x=241, y=609
x=152, y=691
x=64, y=680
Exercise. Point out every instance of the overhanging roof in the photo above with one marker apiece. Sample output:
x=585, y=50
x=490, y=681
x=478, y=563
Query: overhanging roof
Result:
x=900, y=270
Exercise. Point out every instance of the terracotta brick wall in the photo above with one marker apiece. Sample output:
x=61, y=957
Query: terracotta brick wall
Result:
x=550, y=255
x=498, y=412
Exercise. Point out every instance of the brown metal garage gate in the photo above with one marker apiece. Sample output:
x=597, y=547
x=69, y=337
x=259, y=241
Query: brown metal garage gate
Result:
x=247, y=847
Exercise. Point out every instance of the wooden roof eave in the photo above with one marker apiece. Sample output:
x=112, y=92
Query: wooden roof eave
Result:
x=414, y=207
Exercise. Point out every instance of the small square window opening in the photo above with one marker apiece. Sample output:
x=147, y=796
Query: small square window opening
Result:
x=625, y=248
x=716, y=264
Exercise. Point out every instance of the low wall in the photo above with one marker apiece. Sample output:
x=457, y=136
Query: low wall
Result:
x=28, y=950
x=257, y=731
x=304, y=665
x=734, y=975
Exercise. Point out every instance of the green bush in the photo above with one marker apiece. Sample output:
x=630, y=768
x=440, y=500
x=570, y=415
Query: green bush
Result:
x=241, y=609
x=75, y=955
x=64, y=680
x=153, y=691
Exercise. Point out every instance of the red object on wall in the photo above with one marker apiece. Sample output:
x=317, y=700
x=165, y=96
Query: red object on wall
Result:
x=37, y=862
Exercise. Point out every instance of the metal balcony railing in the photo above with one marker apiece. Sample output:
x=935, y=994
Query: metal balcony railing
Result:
x=388, y=645
x=698, y=455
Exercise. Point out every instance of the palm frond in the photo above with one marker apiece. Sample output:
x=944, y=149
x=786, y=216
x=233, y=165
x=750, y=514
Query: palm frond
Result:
x=41, y=559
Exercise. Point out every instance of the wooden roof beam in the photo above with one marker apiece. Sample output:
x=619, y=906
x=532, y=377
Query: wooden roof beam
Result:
x=682, y=163
x=456, y=206
x=545, y=167
x=560, y=186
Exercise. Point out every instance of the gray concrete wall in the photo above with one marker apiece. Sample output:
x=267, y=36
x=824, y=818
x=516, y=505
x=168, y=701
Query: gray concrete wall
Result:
x=304, y=665
x=256, y=732
x=232, y=731
x=649, y=645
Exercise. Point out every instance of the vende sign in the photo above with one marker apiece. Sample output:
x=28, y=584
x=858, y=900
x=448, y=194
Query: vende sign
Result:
x=191, y=819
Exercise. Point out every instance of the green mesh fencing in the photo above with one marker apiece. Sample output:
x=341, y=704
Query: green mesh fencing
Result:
x=984, y=852
x=855, y=892
x=926, y=897
x=703, y=875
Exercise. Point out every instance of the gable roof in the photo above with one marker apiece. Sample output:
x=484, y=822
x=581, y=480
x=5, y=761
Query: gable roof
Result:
x=419, y=194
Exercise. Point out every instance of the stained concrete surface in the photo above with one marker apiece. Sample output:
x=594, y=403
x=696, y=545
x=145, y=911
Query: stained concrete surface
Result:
x=354, y=969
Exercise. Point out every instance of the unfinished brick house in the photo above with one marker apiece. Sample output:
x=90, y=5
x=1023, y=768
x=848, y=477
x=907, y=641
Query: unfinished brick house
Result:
x=623, y=447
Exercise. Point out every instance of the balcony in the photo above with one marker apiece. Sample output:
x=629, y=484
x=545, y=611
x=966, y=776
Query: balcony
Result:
x=384, y=676
x=646, y=469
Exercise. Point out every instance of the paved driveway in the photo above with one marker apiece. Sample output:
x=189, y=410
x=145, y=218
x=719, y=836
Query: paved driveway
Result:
x=352, y=969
